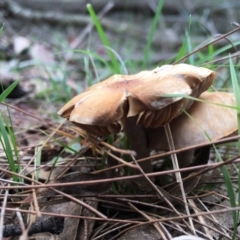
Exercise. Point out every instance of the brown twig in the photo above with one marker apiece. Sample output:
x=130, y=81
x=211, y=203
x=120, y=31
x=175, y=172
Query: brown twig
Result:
x=208, y=44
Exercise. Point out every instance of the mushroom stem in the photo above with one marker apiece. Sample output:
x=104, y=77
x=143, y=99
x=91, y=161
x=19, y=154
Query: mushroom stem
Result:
x=138, y=142
x=176, y=167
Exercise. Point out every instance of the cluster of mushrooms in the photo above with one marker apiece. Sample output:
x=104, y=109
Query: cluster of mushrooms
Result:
x=143, y=103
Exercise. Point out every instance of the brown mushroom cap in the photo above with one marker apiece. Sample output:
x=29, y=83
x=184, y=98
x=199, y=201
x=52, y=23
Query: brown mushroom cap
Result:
x=217, y=121
x=104, y=107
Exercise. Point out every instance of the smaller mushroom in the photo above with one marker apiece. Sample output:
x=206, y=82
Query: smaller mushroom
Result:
x=211, y=119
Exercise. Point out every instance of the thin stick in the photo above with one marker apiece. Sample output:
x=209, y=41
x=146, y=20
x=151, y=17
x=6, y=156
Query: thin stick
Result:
x=82, y=203
x=117, y=150
x=3, y=213
x=201, y=218
x=228, y=139
x=160, y=191
x=21, y=223
x=178, y=174
x=156, y=225
x=35, y=201
x=206, y=45
x=118, y=159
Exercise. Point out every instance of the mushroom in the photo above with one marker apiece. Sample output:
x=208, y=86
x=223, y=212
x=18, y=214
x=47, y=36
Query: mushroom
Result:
x=136, y=102
x=211, y=119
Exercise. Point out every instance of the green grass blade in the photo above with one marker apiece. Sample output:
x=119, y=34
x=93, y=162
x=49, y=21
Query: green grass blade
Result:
x=230, y=190
x=151, y=34
x=180, y=96
x=115, y=66
x=7, y=147
x=217, y=52
x=7, y=91
x=181, y=52
x=189, y=43
x=185, y=44
x=37, y=161
x=236, y=91
x=190, y=48
x=7, y=137
x=94, y=55
x=60, y=143
x=1, y=30
x=13, y=139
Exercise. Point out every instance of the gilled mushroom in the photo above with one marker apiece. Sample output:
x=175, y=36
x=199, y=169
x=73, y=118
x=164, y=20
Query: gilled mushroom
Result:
x=210, y=120
x=135, y=102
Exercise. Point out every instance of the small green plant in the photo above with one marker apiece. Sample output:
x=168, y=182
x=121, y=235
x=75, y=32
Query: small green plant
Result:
x=151, y=33
x=7, y=137
x=236, y=90
x=114, y=63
